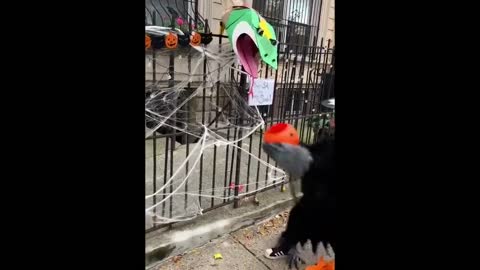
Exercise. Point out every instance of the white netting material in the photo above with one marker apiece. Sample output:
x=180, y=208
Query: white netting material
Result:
x=227, y=122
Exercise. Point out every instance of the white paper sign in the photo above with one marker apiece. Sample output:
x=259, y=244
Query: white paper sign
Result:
x=262, y=92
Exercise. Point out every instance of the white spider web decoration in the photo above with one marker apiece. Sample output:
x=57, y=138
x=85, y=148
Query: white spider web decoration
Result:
x=188, y=182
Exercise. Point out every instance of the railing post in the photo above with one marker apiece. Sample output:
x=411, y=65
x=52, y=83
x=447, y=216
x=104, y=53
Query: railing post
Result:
x=242, y=89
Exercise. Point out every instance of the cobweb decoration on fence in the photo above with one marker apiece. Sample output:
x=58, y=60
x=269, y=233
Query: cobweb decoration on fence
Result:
x=225, y=122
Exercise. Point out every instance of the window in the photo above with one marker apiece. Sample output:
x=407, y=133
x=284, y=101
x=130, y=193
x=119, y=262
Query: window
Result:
x=159, y=12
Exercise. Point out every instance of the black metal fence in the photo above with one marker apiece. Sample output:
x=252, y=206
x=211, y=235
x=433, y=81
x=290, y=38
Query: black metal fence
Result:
x=305, y=77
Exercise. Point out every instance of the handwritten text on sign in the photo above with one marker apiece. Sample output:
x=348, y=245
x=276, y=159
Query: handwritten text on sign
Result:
x=262, y=92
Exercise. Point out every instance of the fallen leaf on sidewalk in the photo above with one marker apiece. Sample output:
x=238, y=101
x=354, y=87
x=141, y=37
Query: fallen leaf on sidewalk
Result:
x=177, y=258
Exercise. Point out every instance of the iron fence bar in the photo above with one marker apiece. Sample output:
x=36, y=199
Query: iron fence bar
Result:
x=243, y=81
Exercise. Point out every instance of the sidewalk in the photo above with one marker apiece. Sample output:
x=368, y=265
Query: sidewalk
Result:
x=242, y=249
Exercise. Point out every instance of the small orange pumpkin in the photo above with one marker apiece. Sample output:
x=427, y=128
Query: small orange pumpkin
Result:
x=171, y=40
x=148, y=42
x=195, y=39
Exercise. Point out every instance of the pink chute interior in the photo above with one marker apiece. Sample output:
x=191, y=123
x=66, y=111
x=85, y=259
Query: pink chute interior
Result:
x=248, y=51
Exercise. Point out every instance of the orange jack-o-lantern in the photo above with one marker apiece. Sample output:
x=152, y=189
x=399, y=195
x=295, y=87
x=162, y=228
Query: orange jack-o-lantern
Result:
x=148, y=42
x=281, y=133
x=171, y=40
x=195, y=39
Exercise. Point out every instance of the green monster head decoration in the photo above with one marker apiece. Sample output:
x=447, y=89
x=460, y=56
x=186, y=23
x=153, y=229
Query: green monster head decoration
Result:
x=252, y=38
